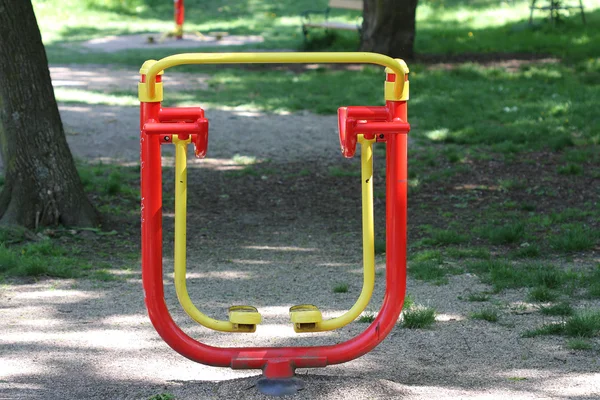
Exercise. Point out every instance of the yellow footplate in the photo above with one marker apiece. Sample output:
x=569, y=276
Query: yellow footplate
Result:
x=305, y=317
x=245, y=318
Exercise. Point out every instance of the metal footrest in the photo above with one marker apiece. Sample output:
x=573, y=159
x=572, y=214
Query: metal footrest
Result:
x=245, y=318
x=305, y=317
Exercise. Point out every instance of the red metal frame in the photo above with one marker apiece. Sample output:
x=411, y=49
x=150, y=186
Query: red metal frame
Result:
x=389, y=123
x=179, y=18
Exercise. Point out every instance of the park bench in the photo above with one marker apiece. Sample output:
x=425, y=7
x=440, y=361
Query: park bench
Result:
x=308, y=22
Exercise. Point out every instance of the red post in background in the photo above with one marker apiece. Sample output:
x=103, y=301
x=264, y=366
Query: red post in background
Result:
x=179, y=18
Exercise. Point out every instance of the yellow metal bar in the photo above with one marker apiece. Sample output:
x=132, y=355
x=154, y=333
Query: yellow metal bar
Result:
x=368, y=228
x=180, y=246
x=398, y=66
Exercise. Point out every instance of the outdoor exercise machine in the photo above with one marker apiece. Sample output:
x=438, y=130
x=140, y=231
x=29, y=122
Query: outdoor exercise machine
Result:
x=364, y=125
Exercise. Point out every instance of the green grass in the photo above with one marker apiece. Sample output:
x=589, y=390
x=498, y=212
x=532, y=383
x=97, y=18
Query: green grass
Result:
x=39, y=259
x=12, y=234
x=585, y=324
x=472, y=252
x=380, y=246
x=529, y=251
x=570, y=169
x=504, y=275
x=340, y=288
x=505, y=234
x=542, y=294
x=162, y=396
x=432, y=271
x=574, y=238
x=478, y=297
x=579, y=344
x=486, y=314
x=366, y=318
x=560, y=309
x=443, y=237
x=418, y=317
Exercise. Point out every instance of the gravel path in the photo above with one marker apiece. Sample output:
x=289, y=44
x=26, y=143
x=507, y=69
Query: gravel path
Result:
x=85, y=339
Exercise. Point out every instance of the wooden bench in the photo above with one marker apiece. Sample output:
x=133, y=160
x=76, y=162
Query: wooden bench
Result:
x=325, y=23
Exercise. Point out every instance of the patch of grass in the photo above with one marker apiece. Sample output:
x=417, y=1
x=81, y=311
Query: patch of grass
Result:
x=418, y=317
x=432, y=271
x=242, y=172
x=503, y=275
x=510, y=184
x=478, y=297
x=408, y=302
x=529, y=251
x=584, y=324
x=506, y=234
x=380, y=246
x=428, y=255
x=549, y=329
x=442, y=237
x=37, y=260
x=574, y=238
x=570, y=169
x=542, y=294
x=12, y=234
x=593, y=281
x=244, y=160
x=103, y=275
x=560, y=309
x=339, y=172
x=162, y=396
x=579, y=344
x=340, y=288
x=487, y=314
x=461, y=253
x=366, y=318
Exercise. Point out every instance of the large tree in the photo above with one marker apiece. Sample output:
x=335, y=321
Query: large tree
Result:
x=41, y=185
x=389, y=27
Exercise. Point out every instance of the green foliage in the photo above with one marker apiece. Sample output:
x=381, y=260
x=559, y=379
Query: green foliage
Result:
x=505, y=234
x=560, y=309
x=462, y=253
x=418, y=317
x=340, y=288
x=37, y=259
x=487, y=314
x=366, y=318
x=478, y=297
x=529, y=251
x=162, y=396
x=380, y=246
x=574, y=238
x=503, y=275
x=585, y=324
x=579, y=344
x=432, y=271
x=542, y=294
x=12, y=234
x=570, y=169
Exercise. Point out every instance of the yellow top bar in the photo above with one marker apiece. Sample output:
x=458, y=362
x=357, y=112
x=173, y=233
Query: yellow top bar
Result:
x=398, y=66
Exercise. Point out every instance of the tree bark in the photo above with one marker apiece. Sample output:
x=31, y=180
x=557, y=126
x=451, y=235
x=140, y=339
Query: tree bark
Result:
x=389, y=27
x=41, y=184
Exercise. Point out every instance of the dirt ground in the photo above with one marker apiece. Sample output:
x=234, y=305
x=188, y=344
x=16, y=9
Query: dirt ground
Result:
x=285, y=236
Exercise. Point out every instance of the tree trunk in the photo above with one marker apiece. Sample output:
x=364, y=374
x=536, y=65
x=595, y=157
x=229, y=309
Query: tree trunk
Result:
x=389, y=27
x=41, y=184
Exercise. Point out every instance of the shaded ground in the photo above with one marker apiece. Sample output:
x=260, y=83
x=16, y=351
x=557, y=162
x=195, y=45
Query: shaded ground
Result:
x=285, y=231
